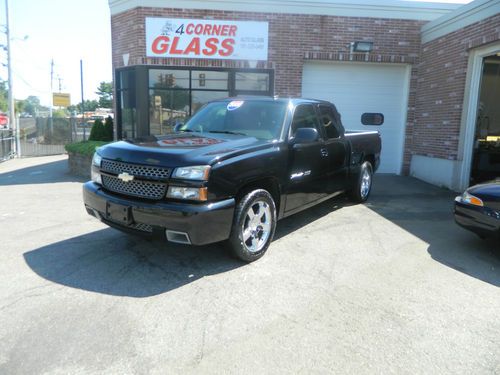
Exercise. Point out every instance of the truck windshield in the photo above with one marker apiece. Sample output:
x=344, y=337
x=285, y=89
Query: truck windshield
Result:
x=259, y=119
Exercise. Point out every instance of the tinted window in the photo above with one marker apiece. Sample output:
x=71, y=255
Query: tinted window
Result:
x=329, y=122
x=259, y=119
x=252, y=81
x=372, y=119
x=304, y=117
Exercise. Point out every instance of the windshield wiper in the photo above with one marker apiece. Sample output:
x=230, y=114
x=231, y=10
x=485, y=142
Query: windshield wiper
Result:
x=226, y=132
x=185, y=131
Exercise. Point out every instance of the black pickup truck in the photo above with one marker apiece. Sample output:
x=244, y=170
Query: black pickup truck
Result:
x=228, y=174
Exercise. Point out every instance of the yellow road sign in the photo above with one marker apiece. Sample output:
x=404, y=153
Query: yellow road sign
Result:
x=61, y=99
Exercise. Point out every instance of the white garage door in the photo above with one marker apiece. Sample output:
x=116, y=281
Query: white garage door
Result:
x=357, y=88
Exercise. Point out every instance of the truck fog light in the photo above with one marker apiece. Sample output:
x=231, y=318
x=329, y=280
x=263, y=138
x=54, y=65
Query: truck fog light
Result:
x=196, y=194
x=95, y=176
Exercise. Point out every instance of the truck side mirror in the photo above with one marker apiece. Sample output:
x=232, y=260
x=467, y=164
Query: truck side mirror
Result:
x=305, y=136
x=178, y=126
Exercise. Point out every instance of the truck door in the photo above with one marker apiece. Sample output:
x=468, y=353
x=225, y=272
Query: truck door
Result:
x=308, y=163
x=337, y=146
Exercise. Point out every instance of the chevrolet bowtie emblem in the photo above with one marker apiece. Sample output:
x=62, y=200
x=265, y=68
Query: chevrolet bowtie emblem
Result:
x=125, y=177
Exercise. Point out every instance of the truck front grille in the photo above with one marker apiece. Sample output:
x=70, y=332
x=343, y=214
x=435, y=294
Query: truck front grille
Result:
x=136, y=188
x=146, y=171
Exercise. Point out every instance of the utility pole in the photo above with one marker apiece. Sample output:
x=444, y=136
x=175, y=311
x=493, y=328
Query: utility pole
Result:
x=51, y=127
x=12, y=108
x=59, y=79
x=51, y=86
x=83, y=102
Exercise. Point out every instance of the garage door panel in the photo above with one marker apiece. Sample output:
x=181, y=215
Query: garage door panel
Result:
x=359, y=88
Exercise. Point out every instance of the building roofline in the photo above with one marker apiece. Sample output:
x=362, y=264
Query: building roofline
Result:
x=461, y=17
x=395, y=9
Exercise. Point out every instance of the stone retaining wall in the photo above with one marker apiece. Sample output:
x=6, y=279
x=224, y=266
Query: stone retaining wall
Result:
x=79, y=164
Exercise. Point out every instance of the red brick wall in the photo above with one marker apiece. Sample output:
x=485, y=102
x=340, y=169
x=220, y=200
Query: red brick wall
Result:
x=441, y=86
x=292, y=39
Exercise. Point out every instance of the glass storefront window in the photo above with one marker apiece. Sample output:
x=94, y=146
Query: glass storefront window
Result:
x=126, y=79
x=171, y=95
x=128, y=113
x=209, y=80
x=164, y=78
x=252, y=81
x=166, y=109
x=199, y=98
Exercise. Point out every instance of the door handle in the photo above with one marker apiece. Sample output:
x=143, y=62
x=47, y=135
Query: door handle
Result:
x=324, y=152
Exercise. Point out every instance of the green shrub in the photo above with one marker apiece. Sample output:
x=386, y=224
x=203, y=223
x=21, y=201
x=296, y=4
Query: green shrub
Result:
x=85, y=147
x=97, y=131
x=108, y=129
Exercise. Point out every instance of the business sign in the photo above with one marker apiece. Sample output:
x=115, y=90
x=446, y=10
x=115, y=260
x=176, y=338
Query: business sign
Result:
x=60, y=99
x=206, y=39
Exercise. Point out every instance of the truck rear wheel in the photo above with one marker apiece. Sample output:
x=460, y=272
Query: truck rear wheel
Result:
x=363, y=185
x=253, y=225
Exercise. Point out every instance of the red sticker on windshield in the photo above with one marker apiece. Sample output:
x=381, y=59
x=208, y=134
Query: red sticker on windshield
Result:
x=235, y=104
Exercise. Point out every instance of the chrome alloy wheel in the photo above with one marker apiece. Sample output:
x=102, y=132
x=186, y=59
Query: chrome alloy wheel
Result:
x=256, y=227
x=366, y=182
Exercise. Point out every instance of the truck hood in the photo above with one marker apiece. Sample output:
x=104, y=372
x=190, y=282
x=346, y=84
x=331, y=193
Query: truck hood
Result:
x=182, y=149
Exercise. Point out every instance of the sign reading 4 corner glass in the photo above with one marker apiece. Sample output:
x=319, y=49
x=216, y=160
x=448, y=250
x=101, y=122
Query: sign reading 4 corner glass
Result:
x=206, y=39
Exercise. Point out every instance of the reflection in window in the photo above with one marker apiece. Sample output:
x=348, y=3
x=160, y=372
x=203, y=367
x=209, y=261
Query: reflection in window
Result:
x=199, y=98
x=127, y=101
x=128, y=113
x=209, y=80
x=166, y=109
x=252, y=81
x=304, y=117
x=163, y=78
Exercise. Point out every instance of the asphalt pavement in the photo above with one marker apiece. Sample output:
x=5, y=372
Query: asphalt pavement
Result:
x=391, y=286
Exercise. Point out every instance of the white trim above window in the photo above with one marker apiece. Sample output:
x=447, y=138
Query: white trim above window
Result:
x=395, y=9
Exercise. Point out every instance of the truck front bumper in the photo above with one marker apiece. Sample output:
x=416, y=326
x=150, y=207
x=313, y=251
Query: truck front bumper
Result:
x=203, y=223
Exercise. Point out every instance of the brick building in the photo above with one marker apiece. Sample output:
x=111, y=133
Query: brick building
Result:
x=411, y=70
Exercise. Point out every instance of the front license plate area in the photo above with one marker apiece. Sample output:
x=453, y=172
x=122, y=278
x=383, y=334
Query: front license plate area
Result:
x=117, y=212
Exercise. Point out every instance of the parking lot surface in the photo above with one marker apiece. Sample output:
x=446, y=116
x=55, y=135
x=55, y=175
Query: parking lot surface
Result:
x=392, y=286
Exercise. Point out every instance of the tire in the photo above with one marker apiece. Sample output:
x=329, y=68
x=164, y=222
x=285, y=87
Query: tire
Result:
x=250, y=239
x=363, y=186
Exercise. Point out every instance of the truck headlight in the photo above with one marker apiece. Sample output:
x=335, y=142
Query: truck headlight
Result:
x=94, y=169
x=96, y=160
x=95, y=175
x=199, y=172
x=188, y=193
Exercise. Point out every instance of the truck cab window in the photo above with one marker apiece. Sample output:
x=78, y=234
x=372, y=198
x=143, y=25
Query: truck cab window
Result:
x=329, y=122
x=304, y=117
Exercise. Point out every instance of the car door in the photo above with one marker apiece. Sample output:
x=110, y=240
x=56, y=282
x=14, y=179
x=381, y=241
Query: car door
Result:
x=308, y=163
x=337, y=148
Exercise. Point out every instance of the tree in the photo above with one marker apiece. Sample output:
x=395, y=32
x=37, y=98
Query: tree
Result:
x=105, y=94
x=32, y=105
x=4, y=94
x=90, y=106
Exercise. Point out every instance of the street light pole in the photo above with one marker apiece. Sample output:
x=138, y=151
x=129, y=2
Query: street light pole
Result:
x=12, y=109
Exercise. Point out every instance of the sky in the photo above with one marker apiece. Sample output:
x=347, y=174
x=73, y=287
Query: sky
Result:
x=65, y=31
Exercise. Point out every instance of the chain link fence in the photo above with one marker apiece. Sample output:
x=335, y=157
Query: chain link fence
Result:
x=6, y=144
x=42, y=136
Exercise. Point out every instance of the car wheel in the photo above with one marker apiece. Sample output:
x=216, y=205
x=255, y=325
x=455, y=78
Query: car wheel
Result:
x=363, y=186
x=253, y=225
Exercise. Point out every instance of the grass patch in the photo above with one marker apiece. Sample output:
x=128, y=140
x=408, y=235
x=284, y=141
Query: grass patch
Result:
x=85, y=147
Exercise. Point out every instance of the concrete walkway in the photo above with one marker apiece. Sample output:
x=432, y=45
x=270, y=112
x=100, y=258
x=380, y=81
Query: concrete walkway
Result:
x=393, y=286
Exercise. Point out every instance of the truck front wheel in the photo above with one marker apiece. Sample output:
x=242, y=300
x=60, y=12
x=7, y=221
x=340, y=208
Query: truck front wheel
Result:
x=253, y=225
x=363, y=185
